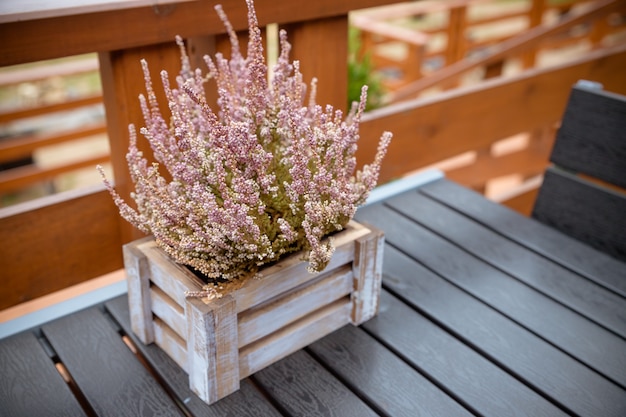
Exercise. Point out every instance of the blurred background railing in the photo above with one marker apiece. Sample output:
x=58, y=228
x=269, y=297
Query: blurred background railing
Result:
x=53, y=127
x=474, y=87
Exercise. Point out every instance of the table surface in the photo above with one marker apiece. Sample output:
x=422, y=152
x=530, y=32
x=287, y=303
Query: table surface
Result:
x=483, y=312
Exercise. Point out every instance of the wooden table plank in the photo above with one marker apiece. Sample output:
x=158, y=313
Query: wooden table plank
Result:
x=29, y=383
x=247, y=402
x=599, y=348
x=302, y=387
x=108, y=374
x=582, y=295
x=540, y=238
x=366, y=366
x=472, y=379
x=542, y=366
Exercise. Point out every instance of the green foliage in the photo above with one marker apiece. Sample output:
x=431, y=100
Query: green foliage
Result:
x=361, y=72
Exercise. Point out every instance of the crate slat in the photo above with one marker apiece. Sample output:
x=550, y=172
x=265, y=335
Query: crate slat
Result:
x=167, y=310
x=174, y=345
x=263, y=320
x=293, y=337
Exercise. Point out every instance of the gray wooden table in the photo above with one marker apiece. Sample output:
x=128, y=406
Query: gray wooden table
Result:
x=483, y=312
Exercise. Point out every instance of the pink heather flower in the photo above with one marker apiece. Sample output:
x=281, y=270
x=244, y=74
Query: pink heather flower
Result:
x=271, y=172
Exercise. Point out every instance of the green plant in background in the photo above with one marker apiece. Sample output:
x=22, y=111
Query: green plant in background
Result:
x=360, y=73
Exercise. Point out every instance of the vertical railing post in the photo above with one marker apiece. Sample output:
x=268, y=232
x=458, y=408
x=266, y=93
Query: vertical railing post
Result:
x=457, y=25
x=535, y=18
x=321, y=46
x=122, y=83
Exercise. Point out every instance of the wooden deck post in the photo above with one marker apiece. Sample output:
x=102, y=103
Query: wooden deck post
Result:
x=122, y=83
x=321, y=46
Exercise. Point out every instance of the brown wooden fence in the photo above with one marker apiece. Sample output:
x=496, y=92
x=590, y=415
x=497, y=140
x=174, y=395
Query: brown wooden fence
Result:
x=466, y=31
x=18, y=168
x=64, y=239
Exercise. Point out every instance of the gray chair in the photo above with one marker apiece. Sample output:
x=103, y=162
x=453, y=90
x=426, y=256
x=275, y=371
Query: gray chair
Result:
x=584, y=193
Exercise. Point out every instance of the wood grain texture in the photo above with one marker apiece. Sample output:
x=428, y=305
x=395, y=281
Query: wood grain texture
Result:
x=137, y=279
x=267, y=318
x=172, y=279
x=599, y=348
x=32, y=39
x=585, y=297
x=550, y=243
x=367, y=270
x=167, y=310
x=30, y=385
x=106, y=370
x=475, y=381
x=212, y=347
x=366, y=366
x=308, y=39
x=590, y=141
x=540, y=365
x=291, y=271
x=247, y=402
x=425, y=132
x=592, y=136
x=583, y=210
x=37, y=238
x=302, y=387
x=258, y=355
x=168, y=340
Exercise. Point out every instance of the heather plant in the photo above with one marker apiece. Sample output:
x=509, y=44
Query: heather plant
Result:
x=269, y=174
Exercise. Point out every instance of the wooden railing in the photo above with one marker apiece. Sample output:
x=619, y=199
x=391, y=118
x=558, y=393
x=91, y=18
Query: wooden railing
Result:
x=18, y=168
x=538, y=25
x=484, y=163
x=430, y=130
x=525, y=43
x=54, y=242
x=64, y=239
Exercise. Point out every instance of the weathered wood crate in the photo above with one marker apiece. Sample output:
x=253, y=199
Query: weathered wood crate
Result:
x=227, y=339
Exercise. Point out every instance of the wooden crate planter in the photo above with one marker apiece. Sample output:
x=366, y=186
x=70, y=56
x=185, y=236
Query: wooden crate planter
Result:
x=232, y=337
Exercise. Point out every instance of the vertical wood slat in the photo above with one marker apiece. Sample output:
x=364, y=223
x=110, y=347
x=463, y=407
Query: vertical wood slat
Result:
x=535, y=18
x=367, y=272
x=457, y=25
x=138, y=281
x=212, y=347
x=122, y=83
x=321, y=46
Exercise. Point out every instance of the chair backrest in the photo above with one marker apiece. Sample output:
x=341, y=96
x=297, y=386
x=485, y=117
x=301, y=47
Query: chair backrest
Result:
x=584, y=193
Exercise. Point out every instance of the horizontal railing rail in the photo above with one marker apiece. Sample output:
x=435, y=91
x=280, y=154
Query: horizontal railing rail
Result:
x=526, y=42
x=18, y=145
x=473, y=119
